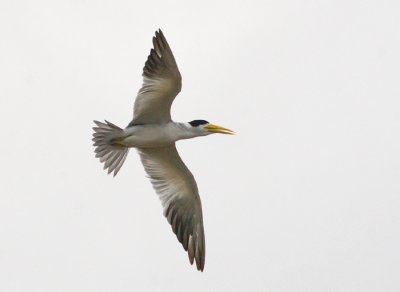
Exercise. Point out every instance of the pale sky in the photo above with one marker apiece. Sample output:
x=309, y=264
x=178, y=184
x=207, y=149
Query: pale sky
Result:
x=306, y=196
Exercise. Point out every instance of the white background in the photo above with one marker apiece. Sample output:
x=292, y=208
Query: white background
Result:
x=306, y=196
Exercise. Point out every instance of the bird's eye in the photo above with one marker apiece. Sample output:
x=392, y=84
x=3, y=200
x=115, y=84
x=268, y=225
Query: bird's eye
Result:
x=197, y=123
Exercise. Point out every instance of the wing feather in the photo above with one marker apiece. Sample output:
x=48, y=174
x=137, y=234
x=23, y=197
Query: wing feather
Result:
x=161, y=83
x=177, y=190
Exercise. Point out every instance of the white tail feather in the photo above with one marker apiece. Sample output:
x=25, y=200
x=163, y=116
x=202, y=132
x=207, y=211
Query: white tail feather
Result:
x=112, y=155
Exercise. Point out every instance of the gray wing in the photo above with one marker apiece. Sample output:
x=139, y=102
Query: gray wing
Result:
x=177, y=189
x=161, y=83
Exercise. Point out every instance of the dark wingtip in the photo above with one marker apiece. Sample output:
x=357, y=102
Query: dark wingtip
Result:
x=162, y=34
x=200, y=266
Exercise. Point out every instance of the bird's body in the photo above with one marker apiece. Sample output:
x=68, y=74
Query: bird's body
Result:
x=153, y=133
x=156, y=135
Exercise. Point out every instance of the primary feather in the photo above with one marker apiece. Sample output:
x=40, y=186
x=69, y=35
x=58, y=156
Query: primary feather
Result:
x=177, y=190
x=161, y=83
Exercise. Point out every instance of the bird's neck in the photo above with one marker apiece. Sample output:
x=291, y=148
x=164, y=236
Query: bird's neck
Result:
x=184, y=131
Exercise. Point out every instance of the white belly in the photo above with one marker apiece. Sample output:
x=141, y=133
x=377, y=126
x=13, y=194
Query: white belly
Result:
x=146, y=136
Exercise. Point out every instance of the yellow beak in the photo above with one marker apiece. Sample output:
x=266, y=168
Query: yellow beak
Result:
x=218, y=129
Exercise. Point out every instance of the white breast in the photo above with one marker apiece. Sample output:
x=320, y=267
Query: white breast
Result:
x=150, y=135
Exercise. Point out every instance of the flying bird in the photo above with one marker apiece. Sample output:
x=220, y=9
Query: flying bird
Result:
x=153, y=133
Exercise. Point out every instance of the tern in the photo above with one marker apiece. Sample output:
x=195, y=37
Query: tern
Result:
x=153, y=133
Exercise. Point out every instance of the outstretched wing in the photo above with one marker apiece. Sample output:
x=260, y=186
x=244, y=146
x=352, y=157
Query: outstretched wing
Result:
x=161, y=83
x=177, y=189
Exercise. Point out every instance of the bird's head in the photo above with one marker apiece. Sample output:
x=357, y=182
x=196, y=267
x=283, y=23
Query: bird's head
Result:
x=204, y=128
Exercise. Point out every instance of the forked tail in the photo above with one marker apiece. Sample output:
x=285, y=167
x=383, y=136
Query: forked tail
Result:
x=111, y=154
